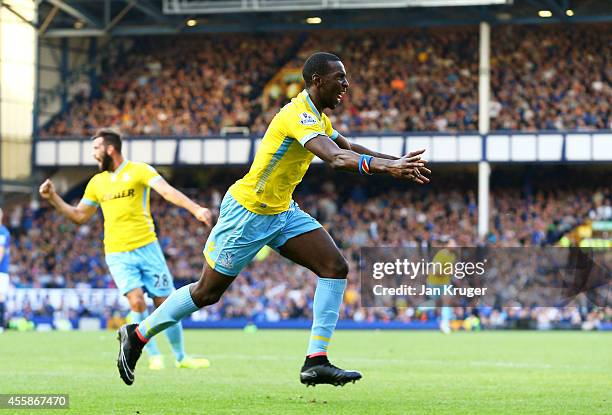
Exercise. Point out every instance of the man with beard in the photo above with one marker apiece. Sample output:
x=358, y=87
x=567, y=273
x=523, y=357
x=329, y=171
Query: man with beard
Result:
x=133, y=254
x=258, y=210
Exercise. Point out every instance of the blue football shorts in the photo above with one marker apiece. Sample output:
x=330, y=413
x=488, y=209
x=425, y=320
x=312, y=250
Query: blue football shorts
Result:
x=143, y=267
x=239, y=234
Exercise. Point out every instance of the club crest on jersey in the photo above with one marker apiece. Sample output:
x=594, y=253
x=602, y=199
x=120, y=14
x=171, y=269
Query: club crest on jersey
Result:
x=307, y=119
x=226, y=259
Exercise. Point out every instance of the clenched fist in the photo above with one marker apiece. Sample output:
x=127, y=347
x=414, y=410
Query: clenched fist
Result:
x=47, y=189
x=204, y=215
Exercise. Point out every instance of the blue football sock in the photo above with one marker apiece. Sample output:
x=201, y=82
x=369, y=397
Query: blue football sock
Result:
x=174, y=309
x=326, y=309
x=134, y=317
x=174, y=334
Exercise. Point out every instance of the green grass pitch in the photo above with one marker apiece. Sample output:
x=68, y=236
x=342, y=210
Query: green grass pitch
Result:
x=405, y=372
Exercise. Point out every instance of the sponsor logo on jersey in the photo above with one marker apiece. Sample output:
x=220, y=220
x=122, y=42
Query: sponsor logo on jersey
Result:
x=119, y=195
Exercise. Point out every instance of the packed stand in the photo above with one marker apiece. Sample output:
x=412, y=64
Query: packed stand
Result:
x=551, y=77
x=63, y=255
x=401, y=80
x=191, y=85
x=542, y=78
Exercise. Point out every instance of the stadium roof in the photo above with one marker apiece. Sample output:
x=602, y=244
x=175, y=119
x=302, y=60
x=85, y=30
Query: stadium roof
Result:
x=81, y=18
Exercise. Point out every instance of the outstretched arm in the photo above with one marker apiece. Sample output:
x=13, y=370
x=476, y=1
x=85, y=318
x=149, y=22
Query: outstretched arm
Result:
x=358, y=148
x=176, y=197
x=406, y=167
x=78, y=214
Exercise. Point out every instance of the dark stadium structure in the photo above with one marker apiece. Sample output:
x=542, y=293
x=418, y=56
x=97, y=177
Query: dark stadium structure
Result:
x=157, y=17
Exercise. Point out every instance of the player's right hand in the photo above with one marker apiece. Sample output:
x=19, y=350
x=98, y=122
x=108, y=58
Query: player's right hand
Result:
x=47, y=189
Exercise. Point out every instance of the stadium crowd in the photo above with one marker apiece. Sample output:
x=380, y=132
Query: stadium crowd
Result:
x=50, y=252
x=551, y=78
x=179, y=86
x=542, y=78
x=401, y=80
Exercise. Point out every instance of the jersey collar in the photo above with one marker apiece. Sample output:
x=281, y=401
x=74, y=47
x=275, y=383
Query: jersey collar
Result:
x=312, y=106
x=121, y=166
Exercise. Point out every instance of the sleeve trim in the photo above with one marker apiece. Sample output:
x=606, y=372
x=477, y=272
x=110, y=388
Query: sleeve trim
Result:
x=154, y=180
x=309, y=137
x=334, y=134
x=89, y=202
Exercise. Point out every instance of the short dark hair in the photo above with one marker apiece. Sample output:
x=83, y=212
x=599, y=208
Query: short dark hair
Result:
x=110, y=136
x=317, y=63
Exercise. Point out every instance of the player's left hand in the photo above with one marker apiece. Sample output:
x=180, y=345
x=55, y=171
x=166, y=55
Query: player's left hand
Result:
x=204, y=215
x=418, y=176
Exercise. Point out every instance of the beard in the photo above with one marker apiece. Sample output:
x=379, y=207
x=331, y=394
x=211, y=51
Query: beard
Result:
x=107, y=163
